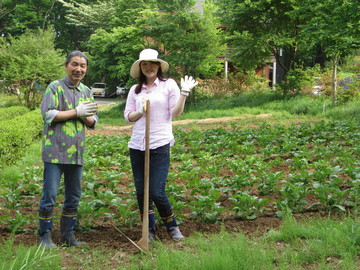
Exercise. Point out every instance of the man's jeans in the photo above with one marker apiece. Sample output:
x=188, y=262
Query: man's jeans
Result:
x=72, y=178
x=159, y=167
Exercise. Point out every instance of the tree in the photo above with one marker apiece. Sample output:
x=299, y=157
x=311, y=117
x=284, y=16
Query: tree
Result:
x=17, y=16
x=190, y=42
x=91, y=16
x=175, y=5
x=258, y=29
x=334, y=24
x=30, y=62
x=112, y=53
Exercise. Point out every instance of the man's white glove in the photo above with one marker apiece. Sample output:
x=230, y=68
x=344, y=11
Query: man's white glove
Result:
x=188, y=83
x=142, y=105
x=86, y=109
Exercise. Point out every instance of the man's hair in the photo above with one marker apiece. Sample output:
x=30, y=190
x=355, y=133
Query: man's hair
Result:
x=73, y=54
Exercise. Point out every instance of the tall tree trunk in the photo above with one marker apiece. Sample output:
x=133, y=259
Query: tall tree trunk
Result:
x=334, y=81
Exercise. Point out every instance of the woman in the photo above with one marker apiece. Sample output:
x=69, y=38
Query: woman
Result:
x=166, y=102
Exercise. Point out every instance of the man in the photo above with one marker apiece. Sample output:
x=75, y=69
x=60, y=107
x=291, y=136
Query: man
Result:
x=67, y=109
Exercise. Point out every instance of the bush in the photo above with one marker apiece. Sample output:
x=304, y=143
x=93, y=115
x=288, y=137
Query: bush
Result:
x=17, y=134
x=11, y=112
x=235, y=84
x=300, y=79
x=9, y=100
x=348, y=89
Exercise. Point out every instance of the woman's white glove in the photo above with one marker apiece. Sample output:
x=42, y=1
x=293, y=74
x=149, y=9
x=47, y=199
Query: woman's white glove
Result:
x=142, y=105
x=188, y=83
x=86, y=109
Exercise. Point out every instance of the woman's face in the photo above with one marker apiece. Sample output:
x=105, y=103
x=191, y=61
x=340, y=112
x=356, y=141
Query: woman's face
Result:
x=150, y=69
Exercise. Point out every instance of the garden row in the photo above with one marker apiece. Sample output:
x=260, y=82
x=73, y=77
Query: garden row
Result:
x=219, y=174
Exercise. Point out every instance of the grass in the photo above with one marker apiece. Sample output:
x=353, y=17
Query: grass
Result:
x=314, y=243
x=24, y=257
x=254, y=104
x=326, y=243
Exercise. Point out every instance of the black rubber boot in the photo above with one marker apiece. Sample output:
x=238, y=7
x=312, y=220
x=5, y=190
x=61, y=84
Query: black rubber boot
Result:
x=67, y=226
x=45, y=227
x=172, y=228
x=152, y=226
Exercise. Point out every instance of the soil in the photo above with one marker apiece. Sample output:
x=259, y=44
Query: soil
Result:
x=107, y=237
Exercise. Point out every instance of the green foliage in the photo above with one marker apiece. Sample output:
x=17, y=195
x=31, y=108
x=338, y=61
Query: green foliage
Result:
x=220, y=251
x=29, y=62
x=236, y=83
x=17, y=134
x=351, y=110
x=351, y=64
x=18, y=16
x=12, y=112
x=24, y=257
x=306, y=105
x=321, y=239
x=248, y=206
x=175, y=5
x=8, y=100
x=311, y=242
x=349, y=89
x=302, y=79
x=258, y=29
x=114, y=66
x=188, y=41
x=95, y=15
x=332, y=24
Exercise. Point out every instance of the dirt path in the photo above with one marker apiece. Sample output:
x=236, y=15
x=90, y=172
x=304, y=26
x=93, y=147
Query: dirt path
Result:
x=203, y=123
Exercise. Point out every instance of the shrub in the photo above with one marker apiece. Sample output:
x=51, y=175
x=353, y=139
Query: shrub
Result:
x=17, y=134
x=348, y=89
x=235, y=84
x=9, y=100
x=300, y=79
x=11, y=112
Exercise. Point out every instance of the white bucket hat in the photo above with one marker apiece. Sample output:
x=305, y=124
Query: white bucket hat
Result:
x=147, y=55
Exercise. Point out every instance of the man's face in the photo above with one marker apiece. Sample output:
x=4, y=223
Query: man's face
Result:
x=76, y=69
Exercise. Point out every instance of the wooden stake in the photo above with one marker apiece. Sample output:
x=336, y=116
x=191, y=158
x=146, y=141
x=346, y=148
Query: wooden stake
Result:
x=144, y=241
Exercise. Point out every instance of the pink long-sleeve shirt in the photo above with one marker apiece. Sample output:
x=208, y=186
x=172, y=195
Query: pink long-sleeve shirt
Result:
x=163, y=96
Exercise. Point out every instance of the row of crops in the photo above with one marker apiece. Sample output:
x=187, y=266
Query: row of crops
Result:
x=216, y=174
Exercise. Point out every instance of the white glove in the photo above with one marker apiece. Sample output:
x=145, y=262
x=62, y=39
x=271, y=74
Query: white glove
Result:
x=188, y=83
x=142, y=105
x=86, y=109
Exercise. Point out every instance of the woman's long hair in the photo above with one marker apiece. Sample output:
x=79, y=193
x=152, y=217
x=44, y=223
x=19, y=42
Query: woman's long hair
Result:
x=142, y=78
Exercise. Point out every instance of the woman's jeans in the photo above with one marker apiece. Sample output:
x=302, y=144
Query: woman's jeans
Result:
x=159, y=167
x=72, y=179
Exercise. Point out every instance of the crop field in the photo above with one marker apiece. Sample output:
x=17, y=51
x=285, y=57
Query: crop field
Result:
x=237, y=178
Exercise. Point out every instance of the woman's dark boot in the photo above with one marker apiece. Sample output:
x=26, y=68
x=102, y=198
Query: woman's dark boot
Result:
x=152, y=226
x=172, y=228
x=67, y=226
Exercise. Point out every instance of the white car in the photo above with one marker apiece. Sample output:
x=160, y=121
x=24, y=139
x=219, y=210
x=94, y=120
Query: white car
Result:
x=99, y=90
